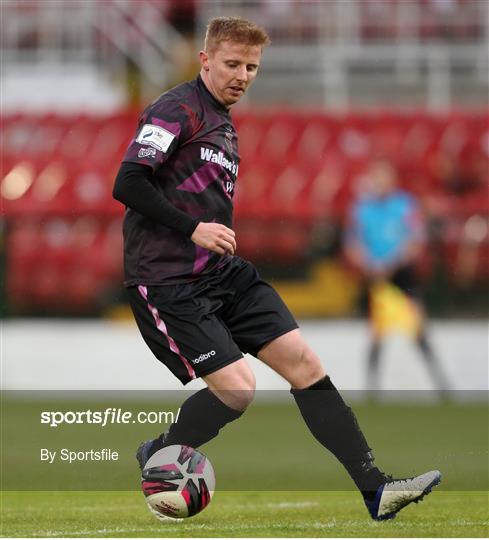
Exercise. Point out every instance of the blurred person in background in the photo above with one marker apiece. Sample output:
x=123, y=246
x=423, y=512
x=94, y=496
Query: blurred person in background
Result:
x=384, y=240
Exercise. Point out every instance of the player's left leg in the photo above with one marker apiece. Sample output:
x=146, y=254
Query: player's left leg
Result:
x=335, y=426
x=329, y=419
x=262, y=325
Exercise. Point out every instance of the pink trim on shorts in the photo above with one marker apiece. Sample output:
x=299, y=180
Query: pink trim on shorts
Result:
x=161, y=326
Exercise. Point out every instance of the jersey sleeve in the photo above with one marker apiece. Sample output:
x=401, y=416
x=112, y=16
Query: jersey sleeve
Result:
x=162, y=128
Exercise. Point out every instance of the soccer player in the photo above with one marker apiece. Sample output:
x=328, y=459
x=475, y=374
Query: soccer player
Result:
x=198, y=306
x=384, y=240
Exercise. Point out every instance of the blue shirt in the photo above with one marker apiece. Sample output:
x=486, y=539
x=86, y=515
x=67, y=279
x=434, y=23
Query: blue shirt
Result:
x=385, y=226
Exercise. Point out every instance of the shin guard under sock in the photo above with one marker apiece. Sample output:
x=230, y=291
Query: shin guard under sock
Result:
x=335, y=426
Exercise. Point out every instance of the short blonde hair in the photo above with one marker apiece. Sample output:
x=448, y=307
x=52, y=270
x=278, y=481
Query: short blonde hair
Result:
x=234, y=29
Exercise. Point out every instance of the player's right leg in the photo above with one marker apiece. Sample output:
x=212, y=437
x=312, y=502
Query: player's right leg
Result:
x=179, y=326
x=229, y=392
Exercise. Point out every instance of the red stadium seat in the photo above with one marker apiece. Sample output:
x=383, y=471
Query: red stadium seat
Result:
x=297, y=168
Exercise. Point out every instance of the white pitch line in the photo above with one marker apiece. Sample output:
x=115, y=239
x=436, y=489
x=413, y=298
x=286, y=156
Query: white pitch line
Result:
x=275, y=506
x=303, y=504
x=333, y=523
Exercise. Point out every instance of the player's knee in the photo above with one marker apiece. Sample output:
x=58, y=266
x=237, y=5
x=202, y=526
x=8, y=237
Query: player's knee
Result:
x=238, y=400
x=241, y=399
x=236, y=392
x=244, y=395
x=310, y=369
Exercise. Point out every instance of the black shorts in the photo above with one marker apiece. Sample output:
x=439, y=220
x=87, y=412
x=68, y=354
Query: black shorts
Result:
x=199, y=327
x=406, y=279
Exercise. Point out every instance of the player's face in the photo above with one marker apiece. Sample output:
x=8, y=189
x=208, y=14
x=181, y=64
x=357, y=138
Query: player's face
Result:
x=229, y=70
x=382, y=179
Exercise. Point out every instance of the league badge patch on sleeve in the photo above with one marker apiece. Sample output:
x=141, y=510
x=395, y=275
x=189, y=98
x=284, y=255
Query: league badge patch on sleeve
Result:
x=147, y=152
x=155, y=136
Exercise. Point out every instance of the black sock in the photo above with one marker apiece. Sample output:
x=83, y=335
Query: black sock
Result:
x=201, y=417
x=335, y=426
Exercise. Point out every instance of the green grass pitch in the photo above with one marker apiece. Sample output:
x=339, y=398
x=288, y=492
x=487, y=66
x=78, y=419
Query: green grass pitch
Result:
x=269, y=455
x=240, y=514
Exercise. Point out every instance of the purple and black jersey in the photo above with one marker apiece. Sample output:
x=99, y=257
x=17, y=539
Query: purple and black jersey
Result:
x=188, y=139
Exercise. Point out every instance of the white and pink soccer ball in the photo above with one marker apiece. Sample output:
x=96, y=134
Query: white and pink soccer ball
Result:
x=178, y=482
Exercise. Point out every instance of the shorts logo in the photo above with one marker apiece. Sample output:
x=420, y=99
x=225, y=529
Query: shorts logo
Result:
x=203, y=356
x=147, y=152
x=155, y=136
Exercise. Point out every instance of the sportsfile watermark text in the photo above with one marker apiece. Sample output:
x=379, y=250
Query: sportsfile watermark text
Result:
x=109, y=416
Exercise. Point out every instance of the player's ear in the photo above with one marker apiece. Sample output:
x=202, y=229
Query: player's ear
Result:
x=204, y=60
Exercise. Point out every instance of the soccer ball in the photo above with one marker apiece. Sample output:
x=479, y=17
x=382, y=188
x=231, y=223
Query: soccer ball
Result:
x=178, y=482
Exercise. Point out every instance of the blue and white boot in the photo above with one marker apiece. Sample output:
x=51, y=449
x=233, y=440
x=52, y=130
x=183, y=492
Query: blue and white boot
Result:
x=396, y=494
x=143, y=453
x=148, y=448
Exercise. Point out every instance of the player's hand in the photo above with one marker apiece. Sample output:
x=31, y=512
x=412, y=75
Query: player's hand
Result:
x=215, y=237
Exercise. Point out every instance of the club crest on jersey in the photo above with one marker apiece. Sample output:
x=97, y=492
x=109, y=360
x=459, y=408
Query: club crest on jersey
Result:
x=207, y=154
